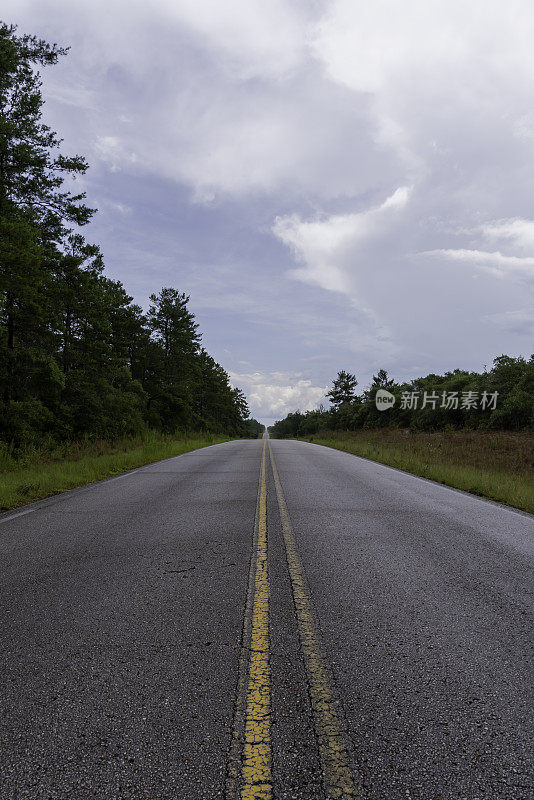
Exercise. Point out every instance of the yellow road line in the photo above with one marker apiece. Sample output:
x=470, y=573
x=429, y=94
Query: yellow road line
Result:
x=234, y=766
x=256, y=771
x=338, y=780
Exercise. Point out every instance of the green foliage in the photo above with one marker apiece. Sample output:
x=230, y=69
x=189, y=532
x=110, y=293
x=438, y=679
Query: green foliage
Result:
x=511, y=378
x=343, y=390
x=342, y=395
x=77, y=357
x=253, y=429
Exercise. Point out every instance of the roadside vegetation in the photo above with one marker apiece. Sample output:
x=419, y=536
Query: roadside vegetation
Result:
x=473, y=431
x=42, y=472
x=501, y=398
x=90, y=383
x=496, y=465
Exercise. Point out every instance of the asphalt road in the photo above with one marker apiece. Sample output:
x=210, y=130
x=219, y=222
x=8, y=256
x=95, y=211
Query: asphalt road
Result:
x=220, y=625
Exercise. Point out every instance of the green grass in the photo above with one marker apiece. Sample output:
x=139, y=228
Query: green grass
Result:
x=498, y=465
x=45, y=472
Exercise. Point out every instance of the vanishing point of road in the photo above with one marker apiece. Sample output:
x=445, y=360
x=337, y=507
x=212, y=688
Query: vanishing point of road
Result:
x=266, y=619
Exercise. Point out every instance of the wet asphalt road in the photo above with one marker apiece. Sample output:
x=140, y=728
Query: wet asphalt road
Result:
x=122, y=611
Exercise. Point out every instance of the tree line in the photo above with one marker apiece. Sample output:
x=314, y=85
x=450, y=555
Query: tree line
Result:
x=77, y=356
x=501, y=398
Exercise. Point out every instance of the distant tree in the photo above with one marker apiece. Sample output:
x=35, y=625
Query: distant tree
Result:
x=217, y=405
x=174, y=327
x=240, y=402
x=252, y=429
x=343, y=389
x=174, y=362
x=382, y=381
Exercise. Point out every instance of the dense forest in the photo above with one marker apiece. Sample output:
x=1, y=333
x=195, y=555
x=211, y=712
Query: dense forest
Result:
x=501, y=398
x=77, y=357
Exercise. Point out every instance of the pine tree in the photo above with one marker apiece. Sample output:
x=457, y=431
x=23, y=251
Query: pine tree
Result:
x=34, y=207
x=342, y=391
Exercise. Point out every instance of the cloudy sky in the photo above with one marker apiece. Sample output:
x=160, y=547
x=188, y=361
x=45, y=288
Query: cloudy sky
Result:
x=337, y=185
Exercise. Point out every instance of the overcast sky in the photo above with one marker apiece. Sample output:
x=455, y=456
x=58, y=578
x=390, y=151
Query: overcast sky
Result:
x=337, y=185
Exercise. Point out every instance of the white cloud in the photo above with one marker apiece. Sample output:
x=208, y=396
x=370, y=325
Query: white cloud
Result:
x=496, y=263
x=111, y=208
x=225, y=98
x=325, y=245
x=121, y=208
x=255, y=37
x=256, y=97
x=516, y=231
x=113, y=151
x=430, y=64
x=364, y=45
x=276, y=394
x=523, y=127
x=519, y=321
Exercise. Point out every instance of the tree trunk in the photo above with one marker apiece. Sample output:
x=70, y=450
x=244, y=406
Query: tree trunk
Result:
x=10, y=348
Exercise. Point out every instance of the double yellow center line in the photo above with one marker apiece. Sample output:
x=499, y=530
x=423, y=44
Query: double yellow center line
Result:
x=257, y=782
x=252, y=728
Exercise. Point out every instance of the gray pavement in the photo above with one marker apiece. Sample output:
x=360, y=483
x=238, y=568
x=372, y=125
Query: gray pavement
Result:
x=122, y=610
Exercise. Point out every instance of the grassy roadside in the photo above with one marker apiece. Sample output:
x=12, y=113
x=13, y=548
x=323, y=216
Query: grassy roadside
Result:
x=43, y=473
x=497, y=465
